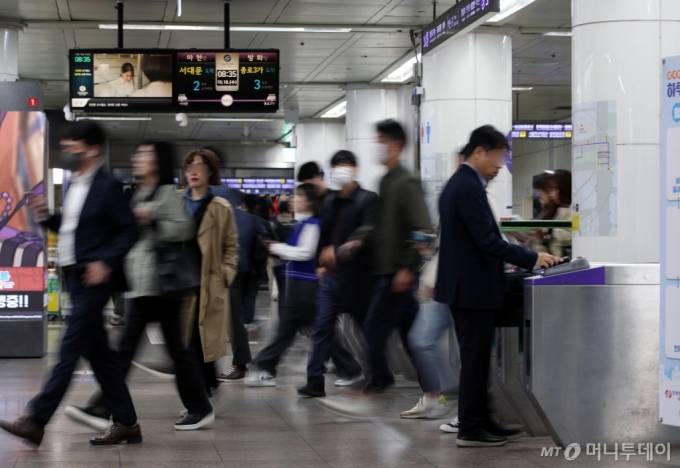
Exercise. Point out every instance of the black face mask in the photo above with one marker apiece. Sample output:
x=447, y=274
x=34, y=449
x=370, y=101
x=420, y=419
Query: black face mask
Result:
x=71, y=161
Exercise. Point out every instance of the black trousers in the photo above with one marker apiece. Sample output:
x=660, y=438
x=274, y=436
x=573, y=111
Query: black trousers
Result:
x=85, y=336
x=207, y=370
x=251, y=289
x=387, y=311
x=297, y=308
x=474, y=330
x=239, y=340
x=156, y=309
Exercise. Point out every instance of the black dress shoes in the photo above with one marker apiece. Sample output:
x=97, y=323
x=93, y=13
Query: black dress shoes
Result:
x=315, y=388
x=481, y=439
x=191, y=422
x=118, y=433
x=379, y=386
x=26, y=428
x=502, y=431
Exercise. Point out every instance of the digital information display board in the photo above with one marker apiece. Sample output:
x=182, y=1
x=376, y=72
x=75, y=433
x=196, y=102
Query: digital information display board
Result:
x=543, y=131
x=464, y=16
x=167, y=80
x=265, y=186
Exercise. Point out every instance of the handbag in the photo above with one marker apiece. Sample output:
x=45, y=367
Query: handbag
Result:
x=178, y=268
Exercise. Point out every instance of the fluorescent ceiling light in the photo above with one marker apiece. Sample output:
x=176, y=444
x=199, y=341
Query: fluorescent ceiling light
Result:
x=522, y=88
x=558, y=33
x=403, y=73
x=509, y=7
x=336, y=112
x=113, y=118
x=236, y=120
x=189, y=27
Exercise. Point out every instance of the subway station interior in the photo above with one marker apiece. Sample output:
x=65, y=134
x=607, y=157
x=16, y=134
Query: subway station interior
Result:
x=300, y=117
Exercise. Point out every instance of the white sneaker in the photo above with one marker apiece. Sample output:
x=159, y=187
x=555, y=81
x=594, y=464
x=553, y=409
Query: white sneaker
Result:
x=260, y=379
x=183, y=413
x=451, y=427
x=427, y=409
x=349, y=381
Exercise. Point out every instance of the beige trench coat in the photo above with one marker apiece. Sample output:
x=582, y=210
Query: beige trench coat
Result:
x=218, y=241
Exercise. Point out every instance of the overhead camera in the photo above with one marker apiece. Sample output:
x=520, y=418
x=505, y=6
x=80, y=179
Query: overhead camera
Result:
x=182, y=119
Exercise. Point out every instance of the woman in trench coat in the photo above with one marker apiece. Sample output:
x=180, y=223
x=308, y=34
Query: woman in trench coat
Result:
x=217, y=240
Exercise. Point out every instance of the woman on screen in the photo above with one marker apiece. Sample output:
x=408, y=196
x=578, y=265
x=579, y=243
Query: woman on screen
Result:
x=158, y=70
x=124, y=85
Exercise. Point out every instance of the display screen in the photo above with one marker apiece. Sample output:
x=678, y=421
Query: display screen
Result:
x=265, y=186
x=543, y=131
x=456, y=20
x=174, y=81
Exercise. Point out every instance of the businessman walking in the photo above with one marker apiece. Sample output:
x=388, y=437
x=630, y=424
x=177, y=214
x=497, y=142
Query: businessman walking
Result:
x=96, y=231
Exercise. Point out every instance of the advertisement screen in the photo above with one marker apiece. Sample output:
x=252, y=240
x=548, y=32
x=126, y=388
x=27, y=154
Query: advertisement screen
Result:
x=22, y=257
x=174, y=81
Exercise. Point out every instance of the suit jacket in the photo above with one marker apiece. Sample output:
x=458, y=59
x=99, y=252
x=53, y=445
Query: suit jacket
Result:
x=107, y=229
x=472, y=252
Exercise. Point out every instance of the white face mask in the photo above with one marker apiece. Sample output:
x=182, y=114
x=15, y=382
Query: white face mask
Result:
x=382, y=153
x=342, y=176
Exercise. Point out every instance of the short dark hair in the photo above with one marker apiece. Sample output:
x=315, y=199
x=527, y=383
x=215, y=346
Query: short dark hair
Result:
x=219, y=153
x=562, y=182
x=208, y=158
x=486, y=137
x=309, y=171
x=542, y=182
x=284, y=206
x=250, y=200
x=344, y=157
x=127, y=67
x=87, y=131
x=157, y=67
x=165, y=159
x=312, y=194
x=392, y=130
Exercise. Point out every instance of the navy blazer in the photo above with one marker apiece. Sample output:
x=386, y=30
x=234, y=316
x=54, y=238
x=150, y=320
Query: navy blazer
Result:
x=107, y=229
x=472, y=251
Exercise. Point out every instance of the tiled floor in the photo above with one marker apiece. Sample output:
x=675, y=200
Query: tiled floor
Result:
x=270, y=427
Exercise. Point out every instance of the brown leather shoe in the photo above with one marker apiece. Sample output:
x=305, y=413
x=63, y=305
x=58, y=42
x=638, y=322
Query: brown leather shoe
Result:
x=26, y=428
x=118, y=433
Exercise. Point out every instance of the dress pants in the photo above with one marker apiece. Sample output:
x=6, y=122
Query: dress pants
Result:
x=208, y=372
x=387, y=311
x=474, y=330
x=187, y=368
x=85, y=336
x=239, y=340
x=251, y=288
x=325, y=342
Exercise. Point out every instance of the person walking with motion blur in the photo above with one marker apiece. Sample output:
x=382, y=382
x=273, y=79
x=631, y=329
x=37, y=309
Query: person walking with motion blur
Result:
x=344, y=273
x=217, y=239
x=96, y=231
x=297, y=304
x=162, y=219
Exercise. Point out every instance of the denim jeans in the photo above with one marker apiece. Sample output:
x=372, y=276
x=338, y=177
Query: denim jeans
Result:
x=437, y=371
x=324, y=341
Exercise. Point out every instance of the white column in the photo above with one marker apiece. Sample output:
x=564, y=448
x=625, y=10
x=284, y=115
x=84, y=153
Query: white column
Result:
x=366, y=106
x=616, y=53
x=9, y=50
x=468, y=83
x=318, y=142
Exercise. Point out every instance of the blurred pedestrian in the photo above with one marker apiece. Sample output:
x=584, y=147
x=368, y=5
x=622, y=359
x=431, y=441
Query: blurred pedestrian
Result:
x=311, y=173
x=96, y=231
x=217, y=239
x=297, y=306
x=344, y=273
x=161, y=218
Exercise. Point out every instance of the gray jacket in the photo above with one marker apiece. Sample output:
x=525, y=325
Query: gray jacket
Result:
x=171, y=223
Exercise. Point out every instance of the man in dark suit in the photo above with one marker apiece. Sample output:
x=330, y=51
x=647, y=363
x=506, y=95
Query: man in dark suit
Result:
x=96, y=231
x=470, y=278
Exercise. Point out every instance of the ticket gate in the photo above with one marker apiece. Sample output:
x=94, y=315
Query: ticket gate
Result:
x=591, y=355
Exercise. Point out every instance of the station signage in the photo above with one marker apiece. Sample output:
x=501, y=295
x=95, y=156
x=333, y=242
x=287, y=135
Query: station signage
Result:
x=265, y=186
x=542, y=131
x=457, y=20
x=168, y=80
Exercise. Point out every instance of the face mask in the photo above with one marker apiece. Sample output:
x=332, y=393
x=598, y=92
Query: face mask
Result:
x=71, y=161
x=382, y=154
x=342, y=176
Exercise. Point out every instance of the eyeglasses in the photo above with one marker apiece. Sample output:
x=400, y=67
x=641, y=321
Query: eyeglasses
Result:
x=196, y=168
